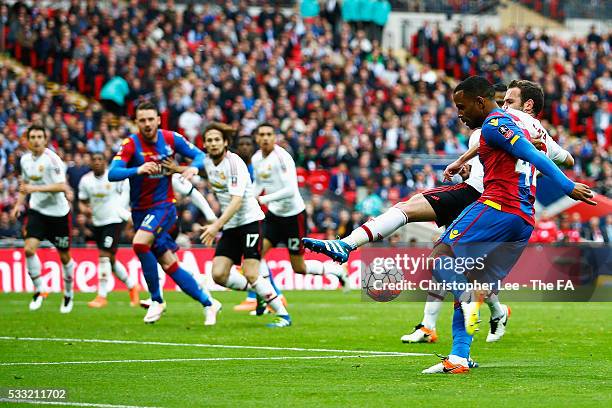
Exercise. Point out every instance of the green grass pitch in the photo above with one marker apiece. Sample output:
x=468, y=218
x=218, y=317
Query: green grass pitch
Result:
x=553, y=354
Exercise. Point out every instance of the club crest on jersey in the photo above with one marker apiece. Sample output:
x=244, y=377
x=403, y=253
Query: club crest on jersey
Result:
x=494, y=121
x=41, y=168
x=507, y=133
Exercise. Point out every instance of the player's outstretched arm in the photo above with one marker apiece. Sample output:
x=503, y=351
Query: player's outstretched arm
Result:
x=456, y=166
x=512, y=140
x=187, y=149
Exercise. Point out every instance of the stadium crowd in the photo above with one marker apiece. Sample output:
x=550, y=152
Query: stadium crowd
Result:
x=361, y=121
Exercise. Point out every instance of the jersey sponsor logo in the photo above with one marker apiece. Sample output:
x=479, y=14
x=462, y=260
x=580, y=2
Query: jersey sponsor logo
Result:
x=506, y=133
x=494, y=122
x=453, y=234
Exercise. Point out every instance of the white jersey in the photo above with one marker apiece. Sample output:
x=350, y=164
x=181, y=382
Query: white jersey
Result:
x=43, y=170
x=526, y=122
x=231, y=178
x=476, y=178
x=275, y=175
x=108, y=199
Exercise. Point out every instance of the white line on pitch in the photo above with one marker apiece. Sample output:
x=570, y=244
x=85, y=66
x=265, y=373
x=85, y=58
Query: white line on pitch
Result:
x=174, y=360
x=226, y=346
x=72, y=404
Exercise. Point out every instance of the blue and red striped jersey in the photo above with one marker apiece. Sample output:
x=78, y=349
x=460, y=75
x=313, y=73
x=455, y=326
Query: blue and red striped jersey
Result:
x=508, y=181
x=147, y=191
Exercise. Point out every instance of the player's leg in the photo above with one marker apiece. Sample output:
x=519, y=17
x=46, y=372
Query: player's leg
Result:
x=250, y=303
x=34, y=268
x=59, y=232
x=250, y=243
x=264, y=290
x=68, y=266
x=493, y=240
x=425, y=332
x=170, y=264
x=500, y=314
x=417, y=208
x=265, y=270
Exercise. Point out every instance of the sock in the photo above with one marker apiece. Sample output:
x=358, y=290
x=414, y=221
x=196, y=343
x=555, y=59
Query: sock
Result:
x=431, y=311
x=68, y=272
x=161, y=276
x=264, y=271
x=34, y=270
x=461, y=340
x=188, y=284
x=494, y=306
x=236, y=281
x=378, y=228
x=314, y=267
x=264, y=289
x=122, y=275
x=149, y=270
x=104, y=270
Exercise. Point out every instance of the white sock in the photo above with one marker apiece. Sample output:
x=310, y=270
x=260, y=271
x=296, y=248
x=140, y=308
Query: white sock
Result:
x=35, y=271
x=431, y=311
x=121, y=273
x=378, y=228
x=263, y=288
x=314, y=267
x=236, y=281
x=458, y=360
x=264, y=270
x=104, y=270
x=494, y=306
x=68, y=272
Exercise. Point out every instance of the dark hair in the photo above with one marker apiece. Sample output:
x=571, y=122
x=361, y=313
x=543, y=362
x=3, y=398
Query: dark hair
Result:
x=147, y=105
x=263, y=124
x=36, y=127
x=500, y=87
x=226, y=131
x=530, y=90
x=476, y=86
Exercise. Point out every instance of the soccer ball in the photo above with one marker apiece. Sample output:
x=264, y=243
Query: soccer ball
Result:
x=375, y=284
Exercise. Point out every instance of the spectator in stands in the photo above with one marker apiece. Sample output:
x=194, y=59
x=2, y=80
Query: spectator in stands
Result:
x=7, y=230
x=594, y=232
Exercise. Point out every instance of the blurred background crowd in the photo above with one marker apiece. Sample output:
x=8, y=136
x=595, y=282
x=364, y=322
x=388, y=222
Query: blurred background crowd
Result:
x=367, y=126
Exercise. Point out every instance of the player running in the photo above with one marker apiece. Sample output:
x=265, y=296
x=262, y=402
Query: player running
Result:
x=48, y=216
x=241, y=223
x=107, y=204
x=152, y=203
x=285, y=223
x=497, y=226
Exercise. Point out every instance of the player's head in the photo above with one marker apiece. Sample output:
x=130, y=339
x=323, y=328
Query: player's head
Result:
x=245, y=148
x=36, y=136
x=474, y=99
x=147, y=120
x=265, y=137
x=217, y=137
x=500, y=93
x=526, y=96
x=98, y=163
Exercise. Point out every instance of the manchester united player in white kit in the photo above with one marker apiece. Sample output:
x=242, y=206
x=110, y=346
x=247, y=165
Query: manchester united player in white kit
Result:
x=240, y=222
x=48, y=216
x=275, y=175
x=107, y=202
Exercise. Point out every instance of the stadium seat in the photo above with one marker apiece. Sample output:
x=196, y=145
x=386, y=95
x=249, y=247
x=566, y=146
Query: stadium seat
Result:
x=302, y=176
x=318, y=181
